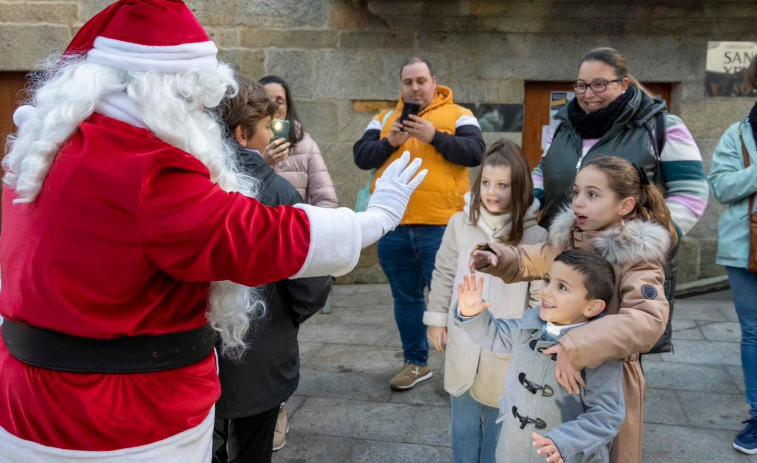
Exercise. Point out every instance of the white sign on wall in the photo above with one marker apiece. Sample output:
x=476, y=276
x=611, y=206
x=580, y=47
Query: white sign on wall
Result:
x=727, y=63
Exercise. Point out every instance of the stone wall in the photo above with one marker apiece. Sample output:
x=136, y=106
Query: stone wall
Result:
x=337, y=54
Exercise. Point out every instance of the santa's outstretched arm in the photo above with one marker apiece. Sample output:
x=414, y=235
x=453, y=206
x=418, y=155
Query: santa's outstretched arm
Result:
x=338, y=235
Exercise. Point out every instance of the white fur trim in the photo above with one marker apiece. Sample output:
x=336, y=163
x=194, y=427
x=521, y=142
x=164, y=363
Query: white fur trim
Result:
x=172, y=59
x=120, y=107
x=630, y=241
x=334, y=241
x=194, y=445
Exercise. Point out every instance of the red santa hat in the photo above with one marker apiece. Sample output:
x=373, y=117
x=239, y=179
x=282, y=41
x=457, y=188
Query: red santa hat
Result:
x=146, y=35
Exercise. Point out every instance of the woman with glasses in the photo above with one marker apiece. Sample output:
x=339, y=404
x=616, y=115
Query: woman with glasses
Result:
x=613, y=115
x=297, y=158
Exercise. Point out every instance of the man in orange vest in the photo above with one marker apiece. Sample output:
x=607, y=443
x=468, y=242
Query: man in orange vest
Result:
x=448, y=139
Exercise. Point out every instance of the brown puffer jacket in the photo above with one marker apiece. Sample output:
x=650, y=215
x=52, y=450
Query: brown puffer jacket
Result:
x=306, y=170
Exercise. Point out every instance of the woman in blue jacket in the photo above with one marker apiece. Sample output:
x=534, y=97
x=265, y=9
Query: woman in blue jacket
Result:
x=733, y=184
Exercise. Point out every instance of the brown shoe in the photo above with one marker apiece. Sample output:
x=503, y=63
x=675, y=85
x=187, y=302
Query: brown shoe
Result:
x=282, y=428
x=410, y=375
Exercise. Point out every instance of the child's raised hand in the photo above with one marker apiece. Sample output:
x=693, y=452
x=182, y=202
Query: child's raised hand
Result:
x=469, y=296
x=547, y=448
x=482, y=259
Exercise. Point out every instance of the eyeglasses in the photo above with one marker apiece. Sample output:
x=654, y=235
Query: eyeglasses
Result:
x=597, y=86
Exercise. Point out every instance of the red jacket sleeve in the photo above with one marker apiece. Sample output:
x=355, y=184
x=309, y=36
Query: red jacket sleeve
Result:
x=195, y=231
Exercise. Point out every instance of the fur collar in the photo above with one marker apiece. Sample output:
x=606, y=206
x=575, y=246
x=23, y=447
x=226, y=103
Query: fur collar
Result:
x=631, y=241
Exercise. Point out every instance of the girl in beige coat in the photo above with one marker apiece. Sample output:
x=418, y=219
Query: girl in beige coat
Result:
x=475, y=377
x=617, y=213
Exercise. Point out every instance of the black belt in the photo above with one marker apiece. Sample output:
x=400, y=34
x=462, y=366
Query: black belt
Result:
x=128, y=354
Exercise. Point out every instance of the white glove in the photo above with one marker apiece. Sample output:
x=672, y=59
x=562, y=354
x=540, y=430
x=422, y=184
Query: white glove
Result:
x=389, y=199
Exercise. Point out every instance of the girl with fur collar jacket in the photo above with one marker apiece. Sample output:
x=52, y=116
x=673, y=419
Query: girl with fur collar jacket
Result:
x=617, y=213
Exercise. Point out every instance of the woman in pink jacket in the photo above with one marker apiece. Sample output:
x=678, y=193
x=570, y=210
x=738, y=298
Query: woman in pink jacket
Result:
x=298, y=158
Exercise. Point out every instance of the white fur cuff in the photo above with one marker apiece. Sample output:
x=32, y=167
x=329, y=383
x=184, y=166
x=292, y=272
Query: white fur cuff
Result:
x=334, y=241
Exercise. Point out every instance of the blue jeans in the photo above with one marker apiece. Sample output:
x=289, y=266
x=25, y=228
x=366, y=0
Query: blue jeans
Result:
x=407, y=256
x=744, y=289
x=474, y=430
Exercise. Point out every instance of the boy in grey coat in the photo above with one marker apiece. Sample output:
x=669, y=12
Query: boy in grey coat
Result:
x=541, y=419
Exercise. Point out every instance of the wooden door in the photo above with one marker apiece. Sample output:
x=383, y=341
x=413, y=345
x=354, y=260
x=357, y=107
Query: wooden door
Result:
x=11, y=94
x=536, y=112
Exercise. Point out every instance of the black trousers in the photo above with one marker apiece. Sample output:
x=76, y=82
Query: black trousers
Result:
x=245, y=440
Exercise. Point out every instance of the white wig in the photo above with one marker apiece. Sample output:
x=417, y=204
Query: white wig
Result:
x=173, y=106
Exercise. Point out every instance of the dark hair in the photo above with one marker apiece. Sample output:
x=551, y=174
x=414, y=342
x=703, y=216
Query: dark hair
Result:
x=625, y=181
x=615, y=60
x=599, y=276
x=246, y=108
x=295, y=133
x=507, y=153
x=751, y=73
x=416, y=60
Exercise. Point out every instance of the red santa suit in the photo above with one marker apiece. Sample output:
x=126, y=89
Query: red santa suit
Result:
x=124, y=239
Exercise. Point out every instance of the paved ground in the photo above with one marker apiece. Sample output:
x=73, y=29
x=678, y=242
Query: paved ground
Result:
x=344, y=411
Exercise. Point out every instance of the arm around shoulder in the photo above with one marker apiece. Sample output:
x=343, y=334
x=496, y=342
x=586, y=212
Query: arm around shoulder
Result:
x=637, y=326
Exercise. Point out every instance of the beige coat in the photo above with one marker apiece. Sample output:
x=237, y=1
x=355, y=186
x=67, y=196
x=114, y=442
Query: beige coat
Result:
x=467, y=365
x=306, y=170
x=639, y=309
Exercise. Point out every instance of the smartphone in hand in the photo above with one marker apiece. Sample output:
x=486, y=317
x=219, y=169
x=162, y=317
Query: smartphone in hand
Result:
x=408, y=109
x=280, y=129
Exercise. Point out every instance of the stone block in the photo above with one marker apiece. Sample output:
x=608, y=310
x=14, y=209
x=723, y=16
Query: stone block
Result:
x=698, y=309
x=279, y=14
x=346, y=14
x=359, y=358
x=319, y=118
x=687, y=444
x=352, y=122
x=721, y=331
x=737, y=373
x=359, y=309
x=710, y=117
x=689, y=377
x=686, y=329
x=224, y=13
x=375, y=421
x=719, y=411
x=303, y=446
x=377, y=39
x=247, y=62
x=338, y=333
x=90, y=8
x=343, y=74
x=65, y=13
x=663, y=407
x=24, y=46
x=708, y=267
x=689, y=253
x=224, y=37
x=344, y=385
x=705, y=352
x=295, y=67
x=367, y=451
x=290, y=38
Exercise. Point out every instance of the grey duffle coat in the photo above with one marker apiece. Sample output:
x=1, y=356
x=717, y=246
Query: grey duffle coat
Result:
x=581, y=426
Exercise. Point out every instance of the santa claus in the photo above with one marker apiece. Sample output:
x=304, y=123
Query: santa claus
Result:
x=127, y=236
